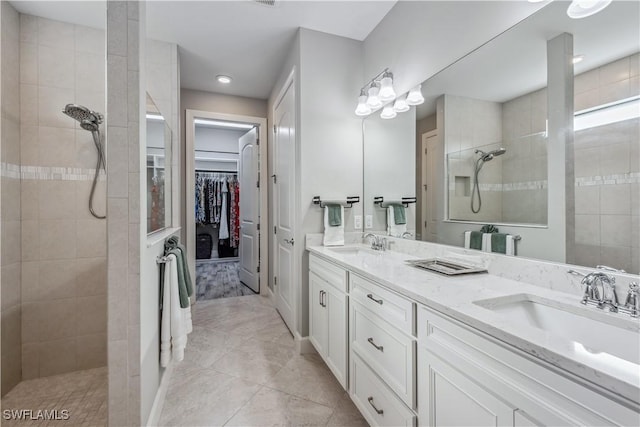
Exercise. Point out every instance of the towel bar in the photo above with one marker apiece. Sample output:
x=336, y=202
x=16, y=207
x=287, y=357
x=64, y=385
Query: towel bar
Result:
x=162, y=259
x=516, y=237
x=347, y=204
x=406, y=201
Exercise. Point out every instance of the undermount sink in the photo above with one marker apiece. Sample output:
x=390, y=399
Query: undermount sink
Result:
x=592, y=332
x=346, y=250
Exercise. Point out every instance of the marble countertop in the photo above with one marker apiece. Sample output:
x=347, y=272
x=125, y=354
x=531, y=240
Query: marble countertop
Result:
x=455, y=296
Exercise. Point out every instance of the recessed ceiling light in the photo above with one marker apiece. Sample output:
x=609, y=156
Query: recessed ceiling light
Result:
x=583, y=8
x=223, y=79
x=578, y=58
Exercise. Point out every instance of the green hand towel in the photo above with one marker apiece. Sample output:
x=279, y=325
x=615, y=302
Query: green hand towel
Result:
x=171, y=245
x=489, y=229
x=475, y=241
x=499, y=243
x=399, y=213
x=335, y=215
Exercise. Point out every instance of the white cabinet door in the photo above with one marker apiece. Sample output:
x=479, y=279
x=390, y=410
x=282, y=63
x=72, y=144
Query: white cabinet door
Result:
x=318, y=326
x=454, y=399
x=336, y=312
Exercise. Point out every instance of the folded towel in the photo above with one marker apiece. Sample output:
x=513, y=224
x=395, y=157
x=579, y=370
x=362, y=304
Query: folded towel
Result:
x=489, y=228
x=175, y=321
x=171, y=245
x=399, y=213
x=335, y=215
x=333, y=236
x=393, y=228
x=475, y=240
x=501, y=243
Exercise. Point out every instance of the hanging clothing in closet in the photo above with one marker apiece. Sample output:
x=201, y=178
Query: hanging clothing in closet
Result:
x=217, y=203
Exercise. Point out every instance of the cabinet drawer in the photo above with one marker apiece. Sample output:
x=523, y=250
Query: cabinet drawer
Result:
x=395, y=309
x=389, y=352
x=377, y=403
x=333, y=274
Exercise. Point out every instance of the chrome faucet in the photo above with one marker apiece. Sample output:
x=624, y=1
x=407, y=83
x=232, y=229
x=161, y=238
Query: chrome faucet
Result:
x=632, y=303
x=377, y=243
x=607, y=299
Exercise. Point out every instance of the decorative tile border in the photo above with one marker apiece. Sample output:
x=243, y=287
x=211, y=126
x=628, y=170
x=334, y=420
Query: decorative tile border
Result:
x=585, y=181
x=46, y=173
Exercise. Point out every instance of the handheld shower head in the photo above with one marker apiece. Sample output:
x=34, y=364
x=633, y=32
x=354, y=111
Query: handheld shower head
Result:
x=485, y=157
x=89, y=120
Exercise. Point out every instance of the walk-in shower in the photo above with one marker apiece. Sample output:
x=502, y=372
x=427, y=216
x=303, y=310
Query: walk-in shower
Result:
x=484, y=157
x=90, y=120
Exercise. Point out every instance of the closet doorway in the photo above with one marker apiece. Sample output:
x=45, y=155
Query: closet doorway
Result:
x=223, y=189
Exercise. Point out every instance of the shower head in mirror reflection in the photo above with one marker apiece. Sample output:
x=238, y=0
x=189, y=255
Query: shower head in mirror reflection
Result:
x=485, y=157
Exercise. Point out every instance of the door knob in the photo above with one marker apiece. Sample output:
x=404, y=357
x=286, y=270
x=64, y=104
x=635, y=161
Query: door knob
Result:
x=289, y=241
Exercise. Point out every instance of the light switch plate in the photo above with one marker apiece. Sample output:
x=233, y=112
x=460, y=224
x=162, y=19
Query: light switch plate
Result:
x=357, y=222
x=368, y=222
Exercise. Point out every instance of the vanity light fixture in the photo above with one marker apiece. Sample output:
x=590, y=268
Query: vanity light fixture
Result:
x=388, y=112
x=400, y=106
x=582, y=8
x=386, y=87
x=373, y=101
x=577, y=58
x=415, y=96
x=363, y=109
x=223, y=79
x=234, y=125
x=155, y=117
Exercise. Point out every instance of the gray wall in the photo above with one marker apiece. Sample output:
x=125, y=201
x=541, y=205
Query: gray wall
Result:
x=10, y=271
x=330, y=136
x=437, y=39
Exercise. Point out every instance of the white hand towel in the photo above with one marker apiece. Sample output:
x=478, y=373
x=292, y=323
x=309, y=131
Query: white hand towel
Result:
x=393, y=229
x=333, y=236
x=467, y=239
x=176, y=321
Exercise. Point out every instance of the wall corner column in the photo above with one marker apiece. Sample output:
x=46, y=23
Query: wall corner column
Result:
x=560, y=144
x=124, y=19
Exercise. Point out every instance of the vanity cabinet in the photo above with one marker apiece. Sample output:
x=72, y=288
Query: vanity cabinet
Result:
x=383, y=353
x=328, y=308
x=466, y=377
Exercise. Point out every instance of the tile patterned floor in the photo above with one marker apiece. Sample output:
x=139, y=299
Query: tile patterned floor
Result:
x=219, y=280
x=82, y=393
x=241, y=369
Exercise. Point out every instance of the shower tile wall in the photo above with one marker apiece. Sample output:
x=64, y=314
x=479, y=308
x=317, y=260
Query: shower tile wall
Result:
x=607, y=171
x=10, y=204
x=470, y=124
x=64, y=291
x=524, y=173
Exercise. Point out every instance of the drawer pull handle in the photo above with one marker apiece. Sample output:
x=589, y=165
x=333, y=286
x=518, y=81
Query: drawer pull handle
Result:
x=378, y=347
x=379, y=411
x=370, y=296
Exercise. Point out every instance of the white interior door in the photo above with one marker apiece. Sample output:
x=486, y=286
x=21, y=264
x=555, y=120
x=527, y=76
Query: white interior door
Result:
x=431, y=152
x=284, y=206
x=249, y=252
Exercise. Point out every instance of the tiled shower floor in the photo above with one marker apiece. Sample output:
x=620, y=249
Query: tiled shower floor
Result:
x=82, y=393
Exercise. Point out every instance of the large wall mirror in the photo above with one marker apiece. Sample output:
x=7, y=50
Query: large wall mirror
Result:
x=158, y=169
x=481, y=149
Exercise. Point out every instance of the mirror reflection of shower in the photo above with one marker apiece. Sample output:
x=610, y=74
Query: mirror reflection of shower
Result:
x=90, y=120
x=484, y=157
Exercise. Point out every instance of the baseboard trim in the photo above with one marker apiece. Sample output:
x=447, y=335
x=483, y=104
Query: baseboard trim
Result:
x=303, y=345
x=161, y=395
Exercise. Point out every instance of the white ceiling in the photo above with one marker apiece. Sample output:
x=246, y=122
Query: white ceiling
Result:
x=249, y=41
x=515, y=63
x=241, y=38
